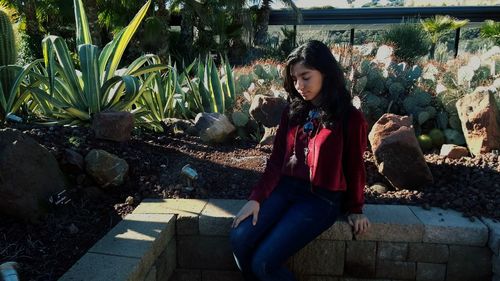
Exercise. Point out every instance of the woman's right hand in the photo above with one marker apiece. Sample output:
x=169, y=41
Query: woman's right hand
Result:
x=252, y=207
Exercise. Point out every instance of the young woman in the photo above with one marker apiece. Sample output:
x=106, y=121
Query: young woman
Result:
x=315, y=172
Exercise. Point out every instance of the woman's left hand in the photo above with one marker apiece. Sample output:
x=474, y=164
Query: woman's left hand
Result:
x=360, y=223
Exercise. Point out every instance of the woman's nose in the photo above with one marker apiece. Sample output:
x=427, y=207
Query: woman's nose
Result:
x=299, y=85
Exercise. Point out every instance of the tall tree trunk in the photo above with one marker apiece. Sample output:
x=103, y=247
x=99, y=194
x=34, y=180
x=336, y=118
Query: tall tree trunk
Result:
x=32, y=28
x=187, y=35
x=95, y=29
x=262, y=23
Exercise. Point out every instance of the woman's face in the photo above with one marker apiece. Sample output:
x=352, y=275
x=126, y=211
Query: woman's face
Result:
x=306, y=81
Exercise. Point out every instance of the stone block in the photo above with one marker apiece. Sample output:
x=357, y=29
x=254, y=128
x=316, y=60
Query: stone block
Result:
x=430, y=271
x=450, y=227
x=217, y=275
x=167, y=261
x=187, y=211
x=142, y=236
x=97, y=267
x=396, y=270
x=392, y=223
x=495, y=260
x=494, y=235
x=205, y=252
x=317, y=278
x=218, y=215
x=360, y=258
x=186, y=275
x=392, y=251
x=151, y=276
x=469, y=263
x=340, y=230
x=428, y=253
x=320, y=257
x=358, y=279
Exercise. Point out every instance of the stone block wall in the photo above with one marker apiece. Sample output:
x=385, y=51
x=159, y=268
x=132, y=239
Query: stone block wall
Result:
x=404, y=243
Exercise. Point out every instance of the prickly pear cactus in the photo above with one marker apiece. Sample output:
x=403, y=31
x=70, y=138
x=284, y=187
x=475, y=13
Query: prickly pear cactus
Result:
x=7, y=49
x=240, y=119
x=414, y=73
x=442, y=120
x=396, y=90
x=454, y=137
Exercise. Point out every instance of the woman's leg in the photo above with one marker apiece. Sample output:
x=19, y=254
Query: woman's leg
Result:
x=246, y=236
x=303, y=221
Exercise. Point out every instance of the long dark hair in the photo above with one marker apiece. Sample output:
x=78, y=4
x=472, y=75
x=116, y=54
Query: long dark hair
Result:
x=334, y=98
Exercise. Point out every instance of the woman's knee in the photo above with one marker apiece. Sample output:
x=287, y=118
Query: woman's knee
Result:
x=238, y=236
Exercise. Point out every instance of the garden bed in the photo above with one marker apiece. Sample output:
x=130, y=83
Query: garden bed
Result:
x=47, y=249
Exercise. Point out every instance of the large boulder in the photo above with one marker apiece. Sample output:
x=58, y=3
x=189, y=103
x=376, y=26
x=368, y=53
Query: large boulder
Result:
x=105, y=168
x=267, y=110
x=397, y=153
x=213, y=127
x=115, y=126
x=29, y=175
x=480, y=120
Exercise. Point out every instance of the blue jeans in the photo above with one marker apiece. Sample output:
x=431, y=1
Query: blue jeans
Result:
x=288, y=220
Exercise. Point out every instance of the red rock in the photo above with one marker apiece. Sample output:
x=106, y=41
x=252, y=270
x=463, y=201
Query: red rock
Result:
x=115, y=126
x=453, y=151
x=397, y=153
x=479, y=115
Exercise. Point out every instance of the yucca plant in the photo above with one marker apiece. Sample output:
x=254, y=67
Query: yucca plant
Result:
x=217, y=91
x=438, y=26
x=26, y=81
x=166, y=98
x=75, y=95
x=183, y=95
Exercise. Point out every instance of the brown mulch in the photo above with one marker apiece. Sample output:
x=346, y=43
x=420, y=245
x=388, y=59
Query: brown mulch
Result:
x=47, y=249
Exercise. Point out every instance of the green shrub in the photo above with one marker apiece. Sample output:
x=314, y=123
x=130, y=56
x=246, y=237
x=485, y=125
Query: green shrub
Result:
x=410, y=41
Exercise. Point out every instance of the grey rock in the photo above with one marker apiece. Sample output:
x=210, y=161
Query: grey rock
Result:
x=213, y=127
x=105, y=168
x=29, y=175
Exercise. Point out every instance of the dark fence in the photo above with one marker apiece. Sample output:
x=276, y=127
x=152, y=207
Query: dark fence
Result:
x=362, y=16
x=382, y=15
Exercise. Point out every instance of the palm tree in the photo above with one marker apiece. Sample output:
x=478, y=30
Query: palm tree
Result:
x=491, y=29
x=263, y=13
x=439, y=25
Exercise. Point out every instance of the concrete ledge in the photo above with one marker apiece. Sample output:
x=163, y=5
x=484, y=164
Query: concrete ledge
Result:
x=392, y=223
x=450, y=227
x=129, y=250
x=184, y=239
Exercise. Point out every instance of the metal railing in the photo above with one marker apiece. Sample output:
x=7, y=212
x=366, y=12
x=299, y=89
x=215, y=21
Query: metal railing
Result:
x=355, y=17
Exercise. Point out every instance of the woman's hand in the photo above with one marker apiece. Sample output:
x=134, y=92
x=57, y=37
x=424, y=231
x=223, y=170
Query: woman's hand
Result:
x=252, y=207
x=360, y=223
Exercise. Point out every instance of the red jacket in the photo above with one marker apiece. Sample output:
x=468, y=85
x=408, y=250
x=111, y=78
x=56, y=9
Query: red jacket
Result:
x=324, y=160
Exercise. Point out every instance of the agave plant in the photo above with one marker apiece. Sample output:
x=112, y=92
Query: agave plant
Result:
x=74, y=95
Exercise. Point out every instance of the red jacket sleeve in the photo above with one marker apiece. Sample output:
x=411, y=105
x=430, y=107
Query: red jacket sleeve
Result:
x=272, y=173
x=354, y=171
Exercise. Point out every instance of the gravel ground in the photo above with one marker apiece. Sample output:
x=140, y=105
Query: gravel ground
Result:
x=46, y=250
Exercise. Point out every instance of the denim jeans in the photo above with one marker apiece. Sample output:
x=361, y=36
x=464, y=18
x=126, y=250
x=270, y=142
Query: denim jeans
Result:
x=288, y=220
